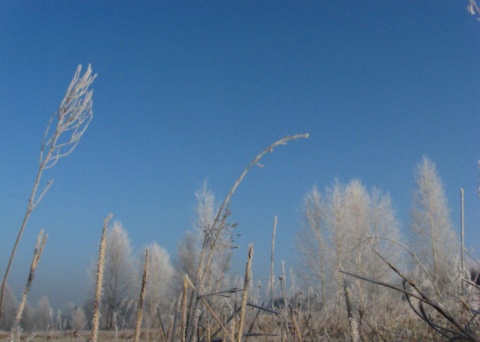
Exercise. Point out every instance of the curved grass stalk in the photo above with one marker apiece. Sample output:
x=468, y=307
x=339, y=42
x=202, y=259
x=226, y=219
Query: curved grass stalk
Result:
x=218, y=226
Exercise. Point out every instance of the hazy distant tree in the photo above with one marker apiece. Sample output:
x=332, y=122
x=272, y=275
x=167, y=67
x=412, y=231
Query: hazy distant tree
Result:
x=340, y=231
x=119, y=277
x=59, y=323
x=9, y=309
x=67, y=315
x=73, y=317
x=88, y=306
x=434, y=239
x=28, y=318
x=43, y=315
x=159, y=292
x=78, y=320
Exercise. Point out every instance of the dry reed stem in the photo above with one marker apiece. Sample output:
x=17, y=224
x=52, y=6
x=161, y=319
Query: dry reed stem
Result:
x=37, y=253
x=272, y=271
x=184, y=308
x=208, y=332
x=232, y=331
x=248, y=272
x=295, y=325
x=462, y=234
x=99, y=280
x=73, y=117
x=352, y=323
x=169, y=329
x=138, y=324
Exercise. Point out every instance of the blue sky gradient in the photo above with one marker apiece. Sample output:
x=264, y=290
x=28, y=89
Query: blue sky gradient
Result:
x=188, y=91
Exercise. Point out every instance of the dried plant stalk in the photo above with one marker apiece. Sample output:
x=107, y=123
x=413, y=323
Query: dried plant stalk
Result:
x=99, y=280
x=41, y=240
x=232, y=331
x=138, y=324
x=169, y=329
x=248, y=276
x=352, y=323
x=184, y=308
x=272, y=270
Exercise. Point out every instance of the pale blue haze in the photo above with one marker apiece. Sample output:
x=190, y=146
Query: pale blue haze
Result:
x=188, y=91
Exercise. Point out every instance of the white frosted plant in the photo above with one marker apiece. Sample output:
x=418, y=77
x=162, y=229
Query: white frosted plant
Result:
x=434, y=239
x=64, y=131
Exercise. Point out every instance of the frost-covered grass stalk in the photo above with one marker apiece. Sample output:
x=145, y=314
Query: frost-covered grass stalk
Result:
x=138, y=324
x=64, y=131
x=272, y=270
x=99, y=280
x=217, y=230
x=16, y=330
x=248, y=276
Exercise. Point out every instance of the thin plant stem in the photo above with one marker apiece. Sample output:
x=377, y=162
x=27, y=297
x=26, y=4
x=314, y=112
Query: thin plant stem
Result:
x=41, y=240
x=138, y=324
x=184, y=308
x=352, y=323
x=248, y=276
x=232, y=331
x=272, y=271
x=462, y=226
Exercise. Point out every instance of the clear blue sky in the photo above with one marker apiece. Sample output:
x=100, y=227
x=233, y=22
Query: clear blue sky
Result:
x=188, y=91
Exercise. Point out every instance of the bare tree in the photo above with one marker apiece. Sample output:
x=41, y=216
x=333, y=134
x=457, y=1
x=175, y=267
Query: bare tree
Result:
x=340, y=231
x=434, y=239
x=159, y=291
x=119, y=277
x=78, y=319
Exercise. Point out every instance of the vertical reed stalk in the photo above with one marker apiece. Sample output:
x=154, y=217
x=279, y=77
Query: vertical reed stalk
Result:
x=272, y=271
x=352, y=323
x=248, y=275
x=184, y=308
x=99, y=280
x=232, y=331
x=462, y=225
x=138, y=324
x=169, y=329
